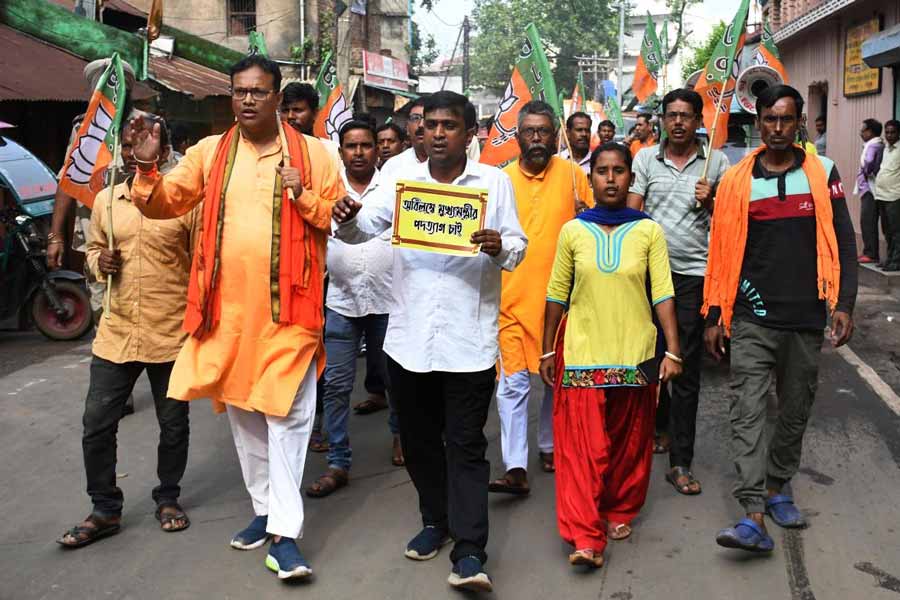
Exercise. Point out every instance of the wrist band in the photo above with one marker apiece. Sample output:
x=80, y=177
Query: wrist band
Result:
x=546, y=356
x=674, y=357
x=147, y=162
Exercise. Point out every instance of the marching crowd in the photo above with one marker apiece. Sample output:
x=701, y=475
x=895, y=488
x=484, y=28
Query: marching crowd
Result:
x=605, y=272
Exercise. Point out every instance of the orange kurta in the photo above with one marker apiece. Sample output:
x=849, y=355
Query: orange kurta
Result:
x=247, y=360
x=545, y=202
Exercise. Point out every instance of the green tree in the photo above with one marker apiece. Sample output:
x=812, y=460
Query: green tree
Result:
x=422, y=51
x=702, y=51
x=568, y=28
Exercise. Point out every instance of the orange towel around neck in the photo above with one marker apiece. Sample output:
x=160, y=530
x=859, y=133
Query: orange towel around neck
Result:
x=728, y=236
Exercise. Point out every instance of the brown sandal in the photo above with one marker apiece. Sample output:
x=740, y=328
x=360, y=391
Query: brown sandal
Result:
x=331, y=481
x=317, y=442
x=586, y=557
x=373, y=403
x=676, y=473
x=547, y=465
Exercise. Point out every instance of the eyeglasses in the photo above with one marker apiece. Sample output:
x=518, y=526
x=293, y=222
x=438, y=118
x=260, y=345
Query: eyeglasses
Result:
x=528, y=132
x=674, y=116
x=256, y=94
x=416, y=118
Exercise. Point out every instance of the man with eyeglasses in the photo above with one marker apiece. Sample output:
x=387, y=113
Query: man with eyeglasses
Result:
x=578, y=135
x=669, y=185
x=415, y=155
x=255, y=298
x=782, y=255
x=545, y=201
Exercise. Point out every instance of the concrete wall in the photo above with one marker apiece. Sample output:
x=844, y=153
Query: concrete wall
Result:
x=814, y=59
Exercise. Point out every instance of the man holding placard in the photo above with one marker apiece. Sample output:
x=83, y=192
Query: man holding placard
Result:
x=455, y=228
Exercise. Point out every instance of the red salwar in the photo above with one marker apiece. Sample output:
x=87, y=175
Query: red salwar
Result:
x=603, y=451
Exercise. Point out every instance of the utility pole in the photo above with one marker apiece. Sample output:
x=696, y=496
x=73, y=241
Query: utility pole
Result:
x=465, y=73
x=619, y=89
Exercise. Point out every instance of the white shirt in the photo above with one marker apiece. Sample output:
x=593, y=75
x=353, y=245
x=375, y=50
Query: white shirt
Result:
x=398, y=167
x=445, y=308
x=584, y=163
x=359, y=276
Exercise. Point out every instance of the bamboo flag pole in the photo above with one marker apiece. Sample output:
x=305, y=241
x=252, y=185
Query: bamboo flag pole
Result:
x=285, y=151
x=110, y=239
x=578, y=200
x=712, y=133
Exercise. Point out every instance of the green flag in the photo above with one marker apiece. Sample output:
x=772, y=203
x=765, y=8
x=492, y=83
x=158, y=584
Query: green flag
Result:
x=258, y=44
x=579, y=101
x=614, y=112
x=531, y=79
x=649, y=62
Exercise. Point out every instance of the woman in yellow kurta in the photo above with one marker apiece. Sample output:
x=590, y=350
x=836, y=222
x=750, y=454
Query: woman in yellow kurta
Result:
x=255, y=296
x=604, y=387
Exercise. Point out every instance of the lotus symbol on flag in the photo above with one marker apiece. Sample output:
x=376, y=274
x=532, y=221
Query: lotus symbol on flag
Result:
x=337, y=117
x=506, y=131
x=84, y=155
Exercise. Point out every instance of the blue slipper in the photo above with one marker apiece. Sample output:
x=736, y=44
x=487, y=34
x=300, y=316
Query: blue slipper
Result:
x=784, y=512
x=746, y=535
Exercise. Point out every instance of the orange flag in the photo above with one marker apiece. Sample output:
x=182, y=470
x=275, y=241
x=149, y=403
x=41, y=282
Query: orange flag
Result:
x=767, y=53
x=649, y=62
x=333, y=109
x=716, y=83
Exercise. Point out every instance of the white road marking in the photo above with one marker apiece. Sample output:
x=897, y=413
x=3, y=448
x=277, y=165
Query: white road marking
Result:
x=872, y=378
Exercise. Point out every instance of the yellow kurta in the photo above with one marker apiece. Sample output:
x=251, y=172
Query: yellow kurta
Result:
x=545, y=202
x=246, y=360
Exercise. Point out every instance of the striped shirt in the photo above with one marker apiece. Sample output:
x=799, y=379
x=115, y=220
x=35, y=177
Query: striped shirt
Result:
x=668, y=195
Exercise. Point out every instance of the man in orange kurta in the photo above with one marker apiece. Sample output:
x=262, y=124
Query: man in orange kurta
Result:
x=548, y=189
x=254, y=303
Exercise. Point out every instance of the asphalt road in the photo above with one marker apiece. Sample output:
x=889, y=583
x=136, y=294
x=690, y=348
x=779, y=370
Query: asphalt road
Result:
x=848, y=488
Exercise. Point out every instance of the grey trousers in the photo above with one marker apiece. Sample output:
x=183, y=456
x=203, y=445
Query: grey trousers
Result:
x=756, y=352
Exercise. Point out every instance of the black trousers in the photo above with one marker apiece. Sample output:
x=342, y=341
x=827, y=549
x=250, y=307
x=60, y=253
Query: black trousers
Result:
x=677, y=411
x=111, y=383
x=442, y=417
x=871, y=211
x=891, y=215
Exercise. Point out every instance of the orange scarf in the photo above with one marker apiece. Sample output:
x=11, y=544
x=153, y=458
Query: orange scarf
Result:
x=296, y=288
x=728, y=236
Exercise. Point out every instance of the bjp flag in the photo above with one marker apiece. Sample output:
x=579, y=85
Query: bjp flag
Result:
x=579, y=102
x=646, y=72
x=767, y=53
x=333, y=110
x=84, y=169
x=716, y=82
x=531, y=79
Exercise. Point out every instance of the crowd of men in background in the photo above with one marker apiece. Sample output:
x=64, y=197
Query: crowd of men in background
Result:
x=201, y=238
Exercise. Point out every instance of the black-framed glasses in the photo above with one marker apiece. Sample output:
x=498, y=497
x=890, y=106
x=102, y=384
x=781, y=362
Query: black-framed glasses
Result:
x=255, y=93
x=675, y=115
x=528, y=132
x=416, y=118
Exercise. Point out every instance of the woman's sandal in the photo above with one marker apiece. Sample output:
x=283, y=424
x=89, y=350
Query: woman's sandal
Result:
x=587, y=558
x=619, y=531
x=84, y=536
x=171, y=518
x=676, y=473
x=331, y=481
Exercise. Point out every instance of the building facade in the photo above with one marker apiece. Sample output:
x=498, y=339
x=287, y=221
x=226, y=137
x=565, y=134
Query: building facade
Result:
x=823, y=44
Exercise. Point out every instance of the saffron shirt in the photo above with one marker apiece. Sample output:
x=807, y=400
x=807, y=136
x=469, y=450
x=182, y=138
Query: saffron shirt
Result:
x=150, y=291
x=545, y=202
x=601, y=277
x=247, y=360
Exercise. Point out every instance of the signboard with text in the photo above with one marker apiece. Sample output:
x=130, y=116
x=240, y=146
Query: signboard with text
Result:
x=859, y=79
x=385, y=72
x=438, y=218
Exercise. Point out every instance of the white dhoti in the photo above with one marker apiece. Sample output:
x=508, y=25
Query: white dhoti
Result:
x=513, y=392
x=272, y=452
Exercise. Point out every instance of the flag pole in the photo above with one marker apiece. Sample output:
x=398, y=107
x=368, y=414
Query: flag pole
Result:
x=285, y=151
x=571, y=164
x=110, y=240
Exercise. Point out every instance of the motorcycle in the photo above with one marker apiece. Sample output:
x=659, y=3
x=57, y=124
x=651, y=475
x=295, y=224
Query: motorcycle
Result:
x=56, y=302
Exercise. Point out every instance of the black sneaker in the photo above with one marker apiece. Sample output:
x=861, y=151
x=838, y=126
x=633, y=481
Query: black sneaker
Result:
x=468, y=574
x=427, y=543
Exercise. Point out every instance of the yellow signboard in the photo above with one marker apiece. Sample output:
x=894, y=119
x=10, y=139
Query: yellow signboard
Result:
x=438, y=218
x=859, y=79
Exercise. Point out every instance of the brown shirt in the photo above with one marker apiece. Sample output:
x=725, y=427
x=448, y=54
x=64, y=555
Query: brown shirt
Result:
x=150, y=291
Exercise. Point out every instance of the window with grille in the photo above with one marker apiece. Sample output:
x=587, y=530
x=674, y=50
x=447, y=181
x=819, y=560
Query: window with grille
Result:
x=241, y=17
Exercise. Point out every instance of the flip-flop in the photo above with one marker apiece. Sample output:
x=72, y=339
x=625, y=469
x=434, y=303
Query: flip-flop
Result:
x=614, y=532
x=675, y=473
x=784, y=512
x=586, y=558
x=100, y=530
x=503, y=486
x=746, y=535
